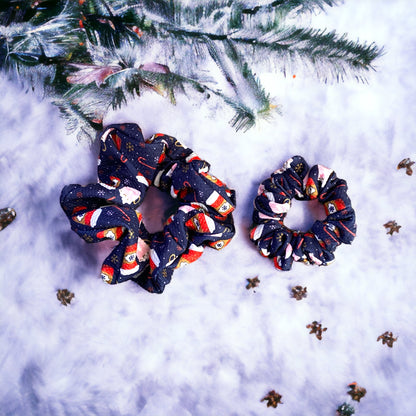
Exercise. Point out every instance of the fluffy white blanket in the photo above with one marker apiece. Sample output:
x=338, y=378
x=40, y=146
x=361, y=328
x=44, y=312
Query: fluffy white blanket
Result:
x=207, y=345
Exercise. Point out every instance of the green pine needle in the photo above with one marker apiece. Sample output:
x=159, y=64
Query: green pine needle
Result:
x=287, y=6
x=332, y=56
x=95, y=55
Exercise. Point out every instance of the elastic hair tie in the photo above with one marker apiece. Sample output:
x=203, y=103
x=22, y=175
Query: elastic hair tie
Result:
x=273, y=201
x=127, y=166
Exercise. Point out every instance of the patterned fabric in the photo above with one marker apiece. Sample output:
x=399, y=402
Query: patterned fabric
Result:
x=273, y=201
x=127, y=166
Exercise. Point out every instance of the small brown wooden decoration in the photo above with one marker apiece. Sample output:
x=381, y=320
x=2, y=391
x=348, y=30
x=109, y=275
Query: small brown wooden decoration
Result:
x=392, y=227
x=252, y=283
x=64, y=296
x=273, y=399
x=356, y=392
x=406, y=163
x=299, y=292
x=387, y=338
x=316, y=328
x=7, y=215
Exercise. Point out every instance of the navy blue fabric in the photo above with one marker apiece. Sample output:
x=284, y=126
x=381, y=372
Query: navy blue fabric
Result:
x=127, y=166
x=296, y=180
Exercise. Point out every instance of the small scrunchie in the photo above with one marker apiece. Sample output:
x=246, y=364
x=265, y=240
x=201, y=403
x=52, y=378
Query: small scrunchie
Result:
x=274, y=197
x=127, y=166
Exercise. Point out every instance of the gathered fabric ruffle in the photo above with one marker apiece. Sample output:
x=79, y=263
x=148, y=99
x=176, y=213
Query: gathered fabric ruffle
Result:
x=273, y=201
x=108, y=209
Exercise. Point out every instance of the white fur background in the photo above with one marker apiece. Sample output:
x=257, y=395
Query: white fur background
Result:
x=207, y=346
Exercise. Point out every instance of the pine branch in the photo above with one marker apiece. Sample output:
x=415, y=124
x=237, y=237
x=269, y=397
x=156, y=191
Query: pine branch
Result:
x=218, y=57
x=286, y=6
x=51, y=38
x=332, y=56
x=32, y=54
x=82, y=115
x=17, y=11
x=130, y=82
x=250, y=90
x=90, y=56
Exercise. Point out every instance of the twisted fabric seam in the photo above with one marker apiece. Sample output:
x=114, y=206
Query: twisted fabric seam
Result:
x=127, y=166
x=273, y=201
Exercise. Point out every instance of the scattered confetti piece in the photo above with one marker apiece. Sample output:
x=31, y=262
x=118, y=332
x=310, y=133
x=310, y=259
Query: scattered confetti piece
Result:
x=7, y=215
x=299, y=292
x=387, y=338
x=273, y=399
x=316, y=328
x=392, y=227
x=64, y=296
x=345, y=410
x=252, y=283
x=406, y=163
x=356, y=392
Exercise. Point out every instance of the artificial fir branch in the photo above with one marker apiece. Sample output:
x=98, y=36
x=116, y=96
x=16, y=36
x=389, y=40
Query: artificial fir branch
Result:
x=93, y=55
x=286, y=6
x=35, y=53
x=77, y=121
x=331, y=56
x=14, y=11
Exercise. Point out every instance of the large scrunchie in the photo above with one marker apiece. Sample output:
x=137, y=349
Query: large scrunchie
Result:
x=273, y=201
x=127, y=166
